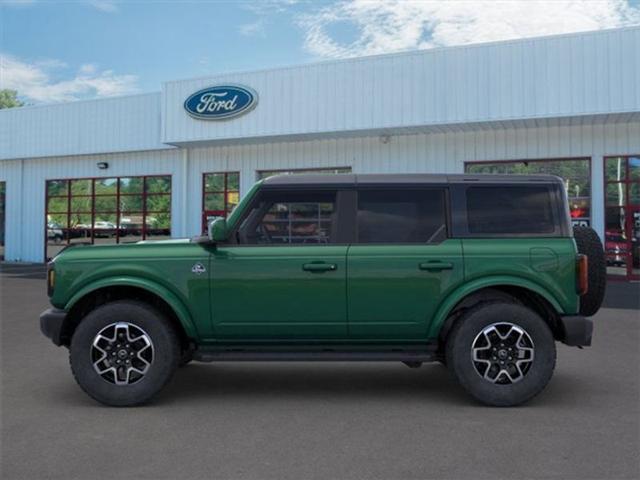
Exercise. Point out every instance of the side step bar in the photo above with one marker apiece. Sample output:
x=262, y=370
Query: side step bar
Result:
x=235, y=355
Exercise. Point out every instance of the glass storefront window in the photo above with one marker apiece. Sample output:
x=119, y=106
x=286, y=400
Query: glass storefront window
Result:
x=616, y=194
x=107, y=210
x=220, y=195
x=622, y=216
x=575, y=172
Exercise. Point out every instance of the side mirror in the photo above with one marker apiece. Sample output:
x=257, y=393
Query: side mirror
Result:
x=218, y=230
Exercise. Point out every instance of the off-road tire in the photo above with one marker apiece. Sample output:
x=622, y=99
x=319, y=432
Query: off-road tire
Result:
x=460, y=361
x=166, y=353
x=589, y=244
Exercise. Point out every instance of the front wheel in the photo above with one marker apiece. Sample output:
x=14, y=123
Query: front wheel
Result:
x=123, y=353
x=503, y=354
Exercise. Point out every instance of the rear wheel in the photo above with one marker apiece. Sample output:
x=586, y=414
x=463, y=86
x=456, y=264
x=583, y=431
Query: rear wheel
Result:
x=503, y=354
x=123, y=353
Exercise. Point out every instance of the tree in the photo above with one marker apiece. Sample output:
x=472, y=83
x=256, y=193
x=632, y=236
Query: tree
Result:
x=9, y=99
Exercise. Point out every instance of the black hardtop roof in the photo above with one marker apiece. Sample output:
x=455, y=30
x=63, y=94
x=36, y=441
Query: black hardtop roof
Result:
x=349, y=179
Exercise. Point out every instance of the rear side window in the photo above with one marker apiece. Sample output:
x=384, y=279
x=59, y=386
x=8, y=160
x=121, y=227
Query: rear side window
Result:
x=510, y=210
x=401, y=216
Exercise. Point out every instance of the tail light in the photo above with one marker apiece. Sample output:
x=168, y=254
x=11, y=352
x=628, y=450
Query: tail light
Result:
x=582, y=274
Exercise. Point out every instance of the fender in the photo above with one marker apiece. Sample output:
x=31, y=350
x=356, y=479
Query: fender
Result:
x=460, y=293
x=165, y=294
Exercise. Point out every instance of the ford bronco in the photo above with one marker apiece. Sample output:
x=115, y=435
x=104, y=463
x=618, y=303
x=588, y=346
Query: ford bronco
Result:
x=481, y=273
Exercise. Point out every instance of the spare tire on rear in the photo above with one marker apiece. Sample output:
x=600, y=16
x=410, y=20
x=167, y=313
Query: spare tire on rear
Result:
x=589, y=244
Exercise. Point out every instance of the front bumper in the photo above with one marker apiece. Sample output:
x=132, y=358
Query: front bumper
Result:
x=576, y=330
x=51, y=322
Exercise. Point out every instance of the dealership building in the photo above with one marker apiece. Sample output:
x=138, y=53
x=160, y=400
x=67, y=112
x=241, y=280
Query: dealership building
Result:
x=155, y=165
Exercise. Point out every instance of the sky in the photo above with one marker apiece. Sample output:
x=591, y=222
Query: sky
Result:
x=58, y=51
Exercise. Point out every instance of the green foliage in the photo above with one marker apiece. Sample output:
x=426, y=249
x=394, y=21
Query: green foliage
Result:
x=9, y=99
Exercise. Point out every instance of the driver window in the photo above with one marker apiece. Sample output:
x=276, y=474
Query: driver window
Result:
x=291, y=219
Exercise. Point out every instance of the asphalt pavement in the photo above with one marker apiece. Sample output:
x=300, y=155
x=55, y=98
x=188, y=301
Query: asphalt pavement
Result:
x=317, y=420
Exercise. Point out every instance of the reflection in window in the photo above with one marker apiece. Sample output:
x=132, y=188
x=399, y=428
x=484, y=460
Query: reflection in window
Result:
x=291, y=219
x=574, y=171
x=107, y=210
x=220, y=195
x=622, y=215
x=509, y=210
x=405, y=216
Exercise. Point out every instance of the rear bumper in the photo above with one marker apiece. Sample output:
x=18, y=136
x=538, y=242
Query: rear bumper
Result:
x=576, y=330
x=51, y=321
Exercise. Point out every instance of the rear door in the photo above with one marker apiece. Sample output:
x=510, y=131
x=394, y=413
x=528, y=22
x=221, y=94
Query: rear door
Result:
x=402, y=263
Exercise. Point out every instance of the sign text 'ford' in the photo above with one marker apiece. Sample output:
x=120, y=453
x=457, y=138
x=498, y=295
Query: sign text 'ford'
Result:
x=221, y=102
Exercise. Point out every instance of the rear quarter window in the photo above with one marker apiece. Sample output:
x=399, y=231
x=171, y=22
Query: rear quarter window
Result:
x=510, y=210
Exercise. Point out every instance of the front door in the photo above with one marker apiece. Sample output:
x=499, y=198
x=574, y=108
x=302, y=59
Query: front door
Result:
x=402, y=263
x=285, y=278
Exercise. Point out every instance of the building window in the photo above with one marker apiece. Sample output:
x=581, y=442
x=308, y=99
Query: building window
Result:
x=575, y=172
x=269, y=173
x=220, y=195
x=3, y=187
x=622, y=216
x=107, y=210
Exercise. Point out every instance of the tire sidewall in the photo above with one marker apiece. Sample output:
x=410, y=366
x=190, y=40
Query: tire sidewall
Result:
x=165, y=355
x=459, y=354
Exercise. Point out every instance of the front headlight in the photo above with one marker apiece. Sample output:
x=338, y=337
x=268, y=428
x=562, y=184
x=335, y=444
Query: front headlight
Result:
x=51, y=278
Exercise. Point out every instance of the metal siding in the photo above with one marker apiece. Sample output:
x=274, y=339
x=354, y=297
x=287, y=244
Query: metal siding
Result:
x=120, y=124
x=562, y=76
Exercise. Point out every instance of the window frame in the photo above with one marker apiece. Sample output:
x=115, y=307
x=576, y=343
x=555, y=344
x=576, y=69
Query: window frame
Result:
x=343, y=225
x=588, y=161
x=559, y=210
x=144, y=212
x=627, y=207
x=394, y=187
x=303, y=171
x=225, y=193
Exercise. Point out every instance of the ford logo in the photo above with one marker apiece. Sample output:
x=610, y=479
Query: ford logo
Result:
x=221, y=102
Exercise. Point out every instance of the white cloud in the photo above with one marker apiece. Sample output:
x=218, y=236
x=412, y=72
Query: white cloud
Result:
x=395, y=25
x=108, y=6
x=35, y=81
x=264, y=7
x=253, y=29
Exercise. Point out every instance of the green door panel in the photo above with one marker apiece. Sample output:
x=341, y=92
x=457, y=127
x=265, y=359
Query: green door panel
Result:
x=394, y=290
x=279, y=292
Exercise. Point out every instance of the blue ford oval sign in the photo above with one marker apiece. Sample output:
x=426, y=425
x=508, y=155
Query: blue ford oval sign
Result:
x=221, y=102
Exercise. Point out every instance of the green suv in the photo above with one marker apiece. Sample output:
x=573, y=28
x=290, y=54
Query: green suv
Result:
x=481, y=273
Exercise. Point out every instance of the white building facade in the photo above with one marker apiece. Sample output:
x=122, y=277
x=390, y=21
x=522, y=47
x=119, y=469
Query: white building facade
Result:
x=142, y=166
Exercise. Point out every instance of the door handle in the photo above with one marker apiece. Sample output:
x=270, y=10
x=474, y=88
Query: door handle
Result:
x=319, y=267
x=435, y=266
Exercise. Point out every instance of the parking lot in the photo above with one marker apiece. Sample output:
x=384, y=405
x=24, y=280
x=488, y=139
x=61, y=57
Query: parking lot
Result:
x=312, y=420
